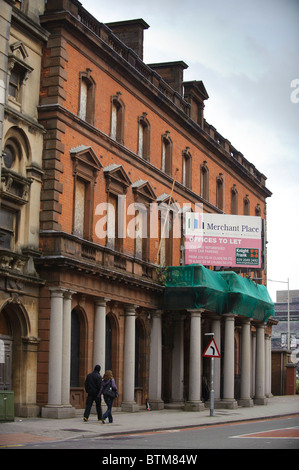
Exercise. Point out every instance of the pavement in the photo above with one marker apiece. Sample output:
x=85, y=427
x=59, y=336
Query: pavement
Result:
x=22, y=431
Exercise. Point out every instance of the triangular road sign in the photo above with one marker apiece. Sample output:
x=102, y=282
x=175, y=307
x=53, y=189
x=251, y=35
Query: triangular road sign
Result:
x=212, y=350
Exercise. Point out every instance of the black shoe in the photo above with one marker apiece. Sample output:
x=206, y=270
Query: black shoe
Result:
x=103, y=421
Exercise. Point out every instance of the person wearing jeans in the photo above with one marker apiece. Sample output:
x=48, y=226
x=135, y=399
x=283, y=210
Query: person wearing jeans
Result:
x=108, y=382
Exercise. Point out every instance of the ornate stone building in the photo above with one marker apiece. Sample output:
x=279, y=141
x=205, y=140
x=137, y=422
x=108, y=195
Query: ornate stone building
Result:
x=22, y=39
x=123, y=138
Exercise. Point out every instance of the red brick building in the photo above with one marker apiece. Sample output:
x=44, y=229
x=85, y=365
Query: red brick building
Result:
x=134, y=136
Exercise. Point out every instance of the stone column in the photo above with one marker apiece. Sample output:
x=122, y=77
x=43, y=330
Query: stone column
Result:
x=129, y=403
x=268, y=366
x=155, y=367
x=216, y=329
x=253, y=362
x=229, y=363
x=245, y=399
x=194, y=402
x=54, y=408
x=99, y=339
x=55, y=347
x=259, y=398
x=66, y=351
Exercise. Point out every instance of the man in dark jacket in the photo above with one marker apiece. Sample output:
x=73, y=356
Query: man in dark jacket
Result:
x=93, y=384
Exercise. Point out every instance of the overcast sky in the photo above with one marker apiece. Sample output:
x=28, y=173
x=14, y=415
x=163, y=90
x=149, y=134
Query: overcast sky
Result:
x=247, y=54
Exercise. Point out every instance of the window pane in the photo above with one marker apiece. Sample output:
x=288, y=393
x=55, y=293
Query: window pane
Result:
x=6, y=228
x=79, y=208
x=14, y=81
x=83, y=100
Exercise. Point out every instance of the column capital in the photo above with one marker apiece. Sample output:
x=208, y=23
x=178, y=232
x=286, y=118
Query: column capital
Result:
x=246, y=320
x=102, y=301
x=68, y=294
x=215, y=317
x=156, y=313
x=195, y=312
x=260, y=325
x=130, y=309
x=57, y=291
x=229, y=316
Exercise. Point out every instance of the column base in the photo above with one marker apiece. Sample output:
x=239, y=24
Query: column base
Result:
x=175, y=405
x=246, y=402
x=130, y=406
x=229, y=404
x=27, y=411
x=194, y=406
x=58, y=412
x=156, y=404
x=260, y=401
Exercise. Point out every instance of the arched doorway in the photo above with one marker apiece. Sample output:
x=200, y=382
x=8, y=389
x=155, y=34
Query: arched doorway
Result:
x=78, y=358
x=6, y=341
x=140, y=362
x=18, y=368
x=111, y=353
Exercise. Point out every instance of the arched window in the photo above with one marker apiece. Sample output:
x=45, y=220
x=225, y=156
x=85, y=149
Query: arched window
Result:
x=117, y=118
x=220, y=191
x=234, y=200
x=15, y=187
x=86, y=97
x=204, y=181
x=258, y=211
x=166, y=164
x=246, y=204
x=187, y=168
x=143, y=137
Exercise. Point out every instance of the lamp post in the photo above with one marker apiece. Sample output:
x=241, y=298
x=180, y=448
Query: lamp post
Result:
x=288, y=283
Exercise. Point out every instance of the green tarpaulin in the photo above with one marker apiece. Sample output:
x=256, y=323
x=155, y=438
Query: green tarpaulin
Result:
x=194, y=287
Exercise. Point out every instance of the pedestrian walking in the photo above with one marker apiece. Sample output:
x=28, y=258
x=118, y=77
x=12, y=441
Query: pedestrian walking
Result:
x=93, y=384
x=109, y=391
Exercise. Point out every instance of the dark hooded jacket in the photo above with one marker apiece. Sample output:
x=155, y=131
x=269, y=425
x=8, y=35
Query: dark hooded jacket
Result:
x=93, y=382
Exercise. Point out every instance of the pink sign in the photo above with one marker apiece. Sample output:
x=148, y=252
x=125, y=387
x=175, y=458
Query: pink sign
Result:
x=224, y=240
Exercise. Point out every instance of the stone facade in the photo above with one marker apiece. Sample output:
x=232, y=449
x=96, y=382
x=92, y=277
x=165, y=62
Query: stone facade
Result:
x=21, y=179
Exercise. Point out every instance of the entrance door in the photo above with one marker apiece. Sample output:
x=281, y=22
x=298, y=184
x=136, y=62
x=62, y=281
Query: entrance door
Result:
x=5, y=363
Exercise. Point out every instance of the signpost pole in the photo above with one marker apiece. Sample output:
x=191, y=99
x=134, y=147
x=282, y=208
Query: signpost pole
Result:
x=212, y=354
x=212, y=388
